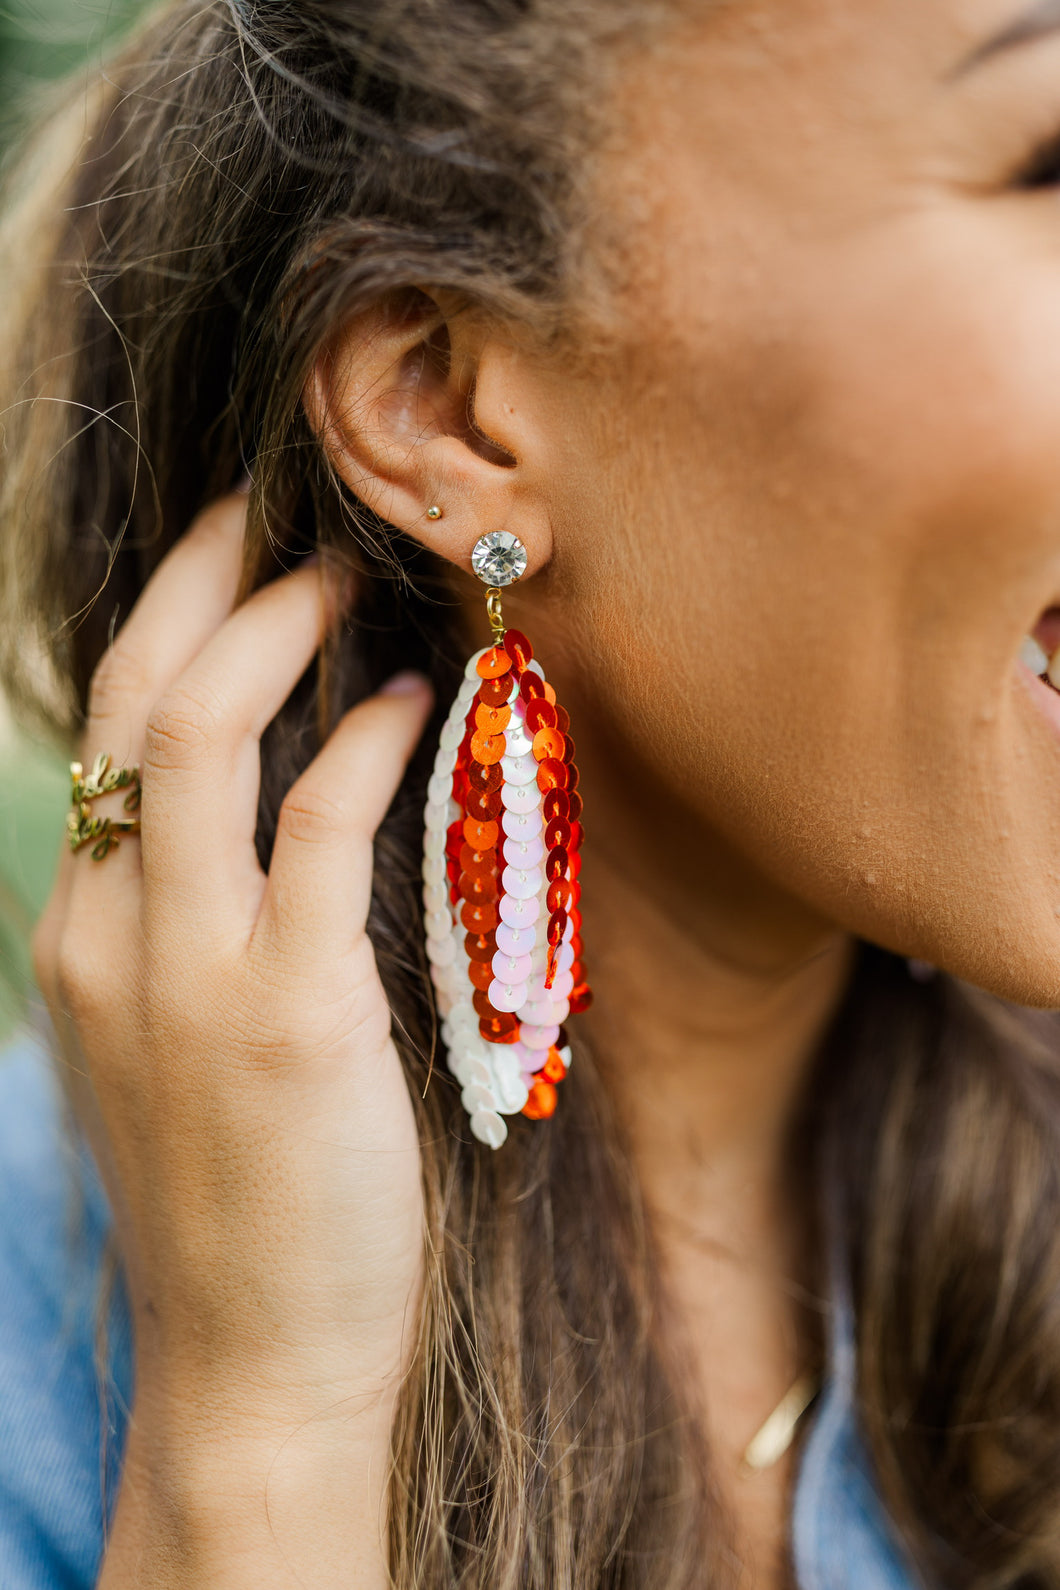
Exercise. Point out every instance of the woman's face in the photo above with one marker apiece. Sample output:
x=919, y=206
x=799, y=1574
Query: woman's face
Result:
x=809, y=497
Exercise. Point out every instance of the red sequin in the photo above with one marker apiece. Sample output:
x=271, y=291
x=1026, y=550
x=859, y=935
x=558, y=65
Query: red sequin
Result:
x=518, y=648
x=556, y=804
x=581, y=998
x=540, y=714
x=559, y=895
x=532, y=687
x=552, y=774
x=556, y=863
x=558, y=829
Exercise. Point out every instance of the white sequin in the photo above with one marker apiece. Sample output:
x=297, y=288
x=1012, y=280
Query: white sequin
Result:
x=506, y=996
x=521, y=797
x=489, y=1128
x=519, y=913
x=522, y=883
x=439, y=788
x=515, y=940
x=537, y=1037
x=544, y=1011
x=441, y=952
x=478, y=1096
x=524, y=853
x=518, y=769
x=510, y=968
x=522, y=825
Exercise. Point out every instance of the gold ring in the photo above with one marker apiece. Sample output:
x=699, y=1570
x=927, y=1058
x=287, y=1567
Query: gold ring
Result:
x=101, y=832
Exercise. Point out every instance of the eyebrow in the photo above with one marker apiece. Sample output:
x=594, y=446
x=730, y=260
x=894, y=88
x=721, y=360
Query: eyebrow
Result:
x=1041, y=20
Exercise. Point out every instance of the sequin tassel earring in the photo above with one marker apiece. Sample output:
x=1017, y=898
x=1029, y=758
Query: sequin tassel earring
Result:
x=501, y=857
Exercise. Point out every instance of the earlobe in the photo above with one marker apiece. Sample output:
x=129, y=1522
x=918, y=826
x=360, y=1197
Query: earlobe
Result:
x=392, y=399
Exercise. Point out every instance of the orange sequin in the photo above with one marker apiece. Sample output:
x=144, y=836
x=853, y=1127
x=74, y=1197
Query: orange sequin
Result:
x=485, y=776
x=480, y=975
x=477, y=862
x=553, y=1069
x=492, y=720
x=499, y=1027
x=493, y=663
x=479, y=916
x=487, y=748
x=541, y=1102
x=481, y=836
x=552, y=774
x=480, y=888
x=478, y=803
x=549, y=743
x=481, y=947
x=495, y=692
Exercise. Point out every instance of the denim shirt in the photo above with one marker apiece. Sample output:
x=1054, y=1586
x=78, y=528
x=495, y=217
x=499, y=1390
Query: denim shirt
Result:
x=62, y=1427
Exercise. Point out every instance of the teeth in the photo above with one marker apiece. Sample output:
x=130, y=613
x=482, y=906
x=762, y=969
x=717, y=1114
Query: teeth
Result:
x=1032, y=655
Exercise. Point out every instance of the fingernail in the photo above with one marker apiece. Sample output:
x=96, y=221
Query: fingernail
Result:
x=408, y=683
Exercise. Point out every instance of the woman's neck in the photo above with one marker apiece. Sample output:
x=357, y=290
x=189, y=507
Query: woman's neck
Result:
x=712, y=991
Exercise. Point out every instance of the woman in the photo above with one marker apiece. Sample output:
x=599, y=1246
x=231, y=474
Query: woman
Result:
x=745, y=321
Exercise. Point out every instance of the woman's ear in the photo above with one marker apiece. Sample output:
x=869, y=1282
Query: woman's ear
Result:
x=414, y=403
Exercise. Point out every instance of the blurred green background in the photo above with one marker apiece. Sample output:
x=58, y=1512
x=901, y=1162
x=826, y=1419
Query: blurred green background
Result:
x=41, y=42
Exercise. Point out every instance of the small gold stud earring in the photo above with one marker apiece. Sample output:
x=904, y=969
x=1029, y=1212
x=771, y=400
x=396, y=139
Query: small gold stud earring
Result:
x=434, y=512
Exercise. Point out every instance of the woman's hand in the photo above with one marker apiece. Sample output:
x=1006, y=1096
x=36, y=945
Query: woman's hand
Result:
x=228, y=1032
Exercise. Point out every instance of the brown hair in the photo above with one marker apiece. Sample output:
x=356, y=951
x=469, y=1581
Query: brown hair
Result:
x=251, y=172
